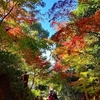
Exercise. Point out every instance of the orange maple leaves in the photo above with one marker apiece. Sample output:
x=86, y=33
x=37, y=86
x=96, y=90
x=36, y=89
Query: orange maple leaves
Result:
x=71, y=39
x=81, y=26
x=35, y=60
x=97, y=17
x=62, y=70
x=59, y=67
x=16, y=31
x=75, y=42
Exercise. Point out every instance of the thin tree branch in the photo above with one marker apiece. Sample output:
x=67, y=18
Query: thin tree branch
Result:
x=7, y=13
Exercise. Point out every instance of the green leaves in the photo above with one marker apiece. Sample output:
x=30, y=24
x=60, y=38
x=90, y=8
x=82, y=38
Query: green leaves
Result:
x=9, y=60
x=85, y=10
x=35, y=30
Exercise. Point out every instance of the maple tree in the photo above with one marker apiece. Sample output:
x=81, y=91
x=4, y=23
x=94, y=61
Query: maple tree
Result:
x=16, y=41
x=21, y=10
x=15, y=13
x=76, y=45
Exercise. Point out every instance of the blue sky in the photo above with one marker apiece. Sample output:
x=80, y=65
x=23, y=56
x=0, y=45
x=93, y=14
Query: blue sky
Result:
x=45, y=23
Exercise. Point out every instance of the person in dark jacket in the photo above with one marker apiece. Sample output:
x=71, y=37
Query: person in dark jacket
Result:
x=55, y=95
x=50, y=97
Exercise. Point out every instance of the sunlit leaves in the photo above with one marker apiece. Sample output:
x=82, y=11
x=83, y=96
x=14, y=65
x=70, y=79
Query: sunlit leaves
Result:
x=87, y=9
x=35, y=30
x=78, y=46
x=20, y=11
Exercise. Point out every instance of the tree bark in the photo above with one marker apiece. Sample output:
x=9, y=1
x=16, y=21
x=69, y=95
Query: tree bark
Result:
x=86, y=94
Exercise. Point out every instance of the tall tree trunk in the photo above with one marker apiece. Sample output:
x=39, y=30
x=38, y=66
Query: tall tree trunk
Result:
x=93, y=98
x=32, y=83
x=86, y=94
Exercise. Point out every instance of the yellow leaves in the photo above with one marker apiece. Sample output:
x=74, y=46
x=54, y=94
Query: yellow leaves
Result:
x=91, y=79
x=60, y=50
x=84, y=74
x=11, y=22
x=10, y=3
x=81, y=80
x=48, y=40
x=1, y=11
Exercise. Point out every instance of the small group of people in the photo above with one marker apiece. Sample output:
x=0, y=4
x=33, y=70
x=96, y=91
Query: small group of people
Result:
x=52, y=95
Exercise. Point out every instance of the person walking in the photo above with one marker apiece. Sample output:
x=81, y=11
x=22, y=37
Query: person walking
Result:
x=55, y=95
x=50, y=97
